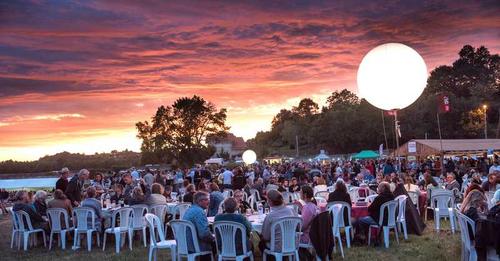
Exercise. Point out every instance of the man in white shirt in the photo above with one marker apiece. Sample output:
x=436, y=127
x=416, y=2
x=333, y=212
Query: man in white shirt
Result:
x=227, y=176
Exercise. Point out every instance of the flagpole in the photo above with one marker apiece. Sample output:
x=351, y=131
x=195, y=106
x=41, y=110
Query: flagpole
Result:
x=396, y=132
x=385, y=134
x=440, y=144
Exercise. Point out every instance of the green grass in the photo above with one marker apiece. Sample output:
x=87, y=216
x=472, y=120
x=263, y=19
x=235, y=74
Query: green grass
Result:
x=431, y=246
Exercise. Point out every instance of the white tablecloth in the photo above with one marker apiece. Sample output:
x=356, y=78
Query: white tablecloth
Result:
x=255, y=220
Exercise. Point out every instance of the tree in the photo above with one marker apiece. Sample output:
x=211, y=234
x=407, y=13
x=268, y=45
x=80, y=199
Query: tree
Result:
x=178, y=133
x=343, y=99
x=306, y=108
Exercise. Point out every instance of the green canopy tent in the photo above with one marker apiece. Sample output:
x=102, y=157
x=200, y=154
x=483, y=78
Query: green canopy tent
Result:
x=366, y=154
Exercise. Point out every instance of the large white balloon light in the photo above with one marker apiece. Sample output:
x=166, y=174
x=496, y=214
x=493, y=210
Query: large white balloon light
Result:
x=392, y=76
x=249, y=157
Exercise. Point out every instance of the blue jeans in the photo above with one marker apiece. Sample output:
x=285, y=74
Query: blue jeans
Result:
x=363, y=224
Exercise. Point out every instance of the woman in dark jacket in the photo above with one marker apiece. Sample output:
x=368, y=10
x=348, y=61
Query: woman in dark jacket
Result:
x=340, y=193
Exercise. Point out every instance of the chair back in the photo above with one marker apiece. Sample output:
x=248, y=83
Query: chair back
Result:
x=353, y=193
x=294, y=207
x=336, y=211
x=160, y=210
x=413, y=197
x=252, y=202
x=288, y=228
x=139, y=212
x=181, y=210
x=345, y=208
x=330, y=189
x=155, y=226
x=81, y=216
x=401, y=199
x=370, y=198
x=256, y=193
x=23, y=221
x=442, y=203
x=227, y=231
x=465, y=224
x=13, y=217
x=56, y=217
x=122, y=216
x=227, y=193
x=390, y=207
x=183, y=231
x=320, y=200
x=322, y=194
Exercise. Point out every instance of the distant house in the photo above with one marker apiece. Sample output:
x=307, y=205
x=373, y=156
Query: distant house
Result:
x=232, y=145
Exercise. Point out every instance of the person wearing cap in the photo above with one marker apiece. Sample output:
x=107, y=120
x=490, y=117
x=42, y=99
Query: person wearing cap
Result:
x=62, y=182
x=278, y=210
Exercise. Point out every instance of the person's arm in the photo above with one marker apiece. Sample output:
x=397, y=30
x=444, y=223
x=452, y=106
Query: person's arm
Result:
x=266, y=229
x=201, y=225
x=307, y=217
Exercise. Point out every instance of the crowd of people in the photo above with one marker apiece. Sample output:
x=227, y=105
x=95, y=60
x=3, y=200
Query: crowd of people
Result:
x=203, y=187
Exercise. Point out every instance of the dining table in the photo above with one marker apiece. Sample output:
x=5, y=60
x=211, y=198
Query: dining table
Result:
x=255, y=219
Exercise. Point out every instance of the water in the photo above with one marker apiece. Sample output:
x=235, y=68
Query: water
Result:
x=28, y=183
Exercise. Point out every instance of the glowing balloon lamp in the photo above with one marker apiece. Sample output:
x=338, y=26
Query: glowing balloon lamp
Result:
x=249, y=157
x=392, y=76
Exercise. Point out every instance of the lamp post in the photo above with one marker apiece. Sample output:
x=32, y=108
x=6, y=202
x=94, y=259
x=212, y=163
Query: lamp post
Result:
x=391, y=77
x=485, y=108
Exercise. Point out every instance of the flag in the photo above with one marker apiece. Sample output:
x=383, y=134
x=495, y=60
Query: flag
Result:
x=381, y=150
x=444, y=103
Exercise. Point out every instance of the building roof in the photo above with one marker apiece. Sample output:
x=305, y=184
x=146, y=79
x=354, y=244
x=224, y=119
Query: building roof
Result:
x=429, y=147
x=237, y=142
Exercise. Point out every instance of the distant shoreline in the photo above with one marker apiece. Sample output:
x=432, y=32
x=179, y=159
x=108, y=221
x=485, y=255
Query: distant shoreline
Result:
x=48, y=174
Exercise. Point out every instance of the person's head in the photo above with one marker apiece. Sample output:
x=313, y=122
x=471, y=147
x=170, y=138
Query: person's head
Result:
x=238, y=195
x=450, y=177
x=157, y=188
x=475, y=199
x=41, y=196
x=340, y=186
x=127, y=178
x=190, y=188
x=118, y=188
x=83, y=174
x=492, y=178
x=185, y=183
x=383, y=187
x=64, y=173
x=137, y=193
x=202, y=199
x=408, y=180
x=214, y=187
x=260, y=181
x=98, y=177
x=274, y=198
x=91, y=192
x=230, y=205
x=202, y=186
x=321, y=181
x=294, y=181
x=59, y=194
x=306, y=193
x=22, y=197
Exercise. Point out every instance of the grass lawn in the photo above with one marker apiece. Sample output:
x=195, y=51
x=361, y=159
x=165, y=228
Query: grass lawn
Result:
x=431, y=246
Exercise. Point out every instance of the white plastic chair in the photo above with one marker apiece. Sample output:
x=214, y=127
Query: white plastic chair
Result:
x=287, y=197
x=16, y=232
x=26, y=228
x=442, y=206
x=330, y=189
x=160, y=211
x=124, y=227
x=370, y=198
x=322, y=194
x=181, y=229
x=349, y=232
x=337, y=214
x=414, y=197
x=155, y=224
x=401, y=219
x=138, y=222
x=390, y=207
x=227, y=230
x=353, y=193
x=81, y=217
x=55, y=215
x=256, y=193
x=468, y=249
x=320, y=200
x=288, y=226
x=253, y=202
x=227, y=193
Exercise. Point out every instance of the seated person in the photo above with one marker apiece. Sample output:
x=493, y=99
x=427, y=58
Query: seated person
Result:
x=196, y=215
x=118, y=195
x=494, y=212
x=230, y=206
x=474, y=204
x=242, y=205
x=278, y=210
x=294, y=186
x=23, y=203
x=156, y=197
x=39, y=204
x=137, y=197
x=189, y=195
x=451, y=182
x=384, y=195
x=60, y=201
x=340, y=193
x=216, y=199
x=492, y=183
x=321, y=185
x=309, y=211
x=91, y=202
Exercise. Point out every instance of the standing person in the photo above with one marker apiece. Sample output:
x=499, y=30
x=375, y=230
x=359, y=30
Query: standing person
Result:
x=216, y=199
x=178, y=180
x=149, y=178
x=62, y=182
x=227, y=176
x=238, y=181
x=196, y=215
x=74, y=189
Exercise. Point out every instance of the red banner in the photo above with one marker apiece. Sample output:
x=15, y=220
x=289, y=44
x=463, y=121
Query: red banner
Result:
x=444, y=103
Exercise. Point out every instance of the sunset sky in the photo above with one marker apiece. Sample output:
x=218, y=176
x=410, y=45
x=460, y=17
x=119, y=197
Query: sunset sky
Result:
x=77, y=75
